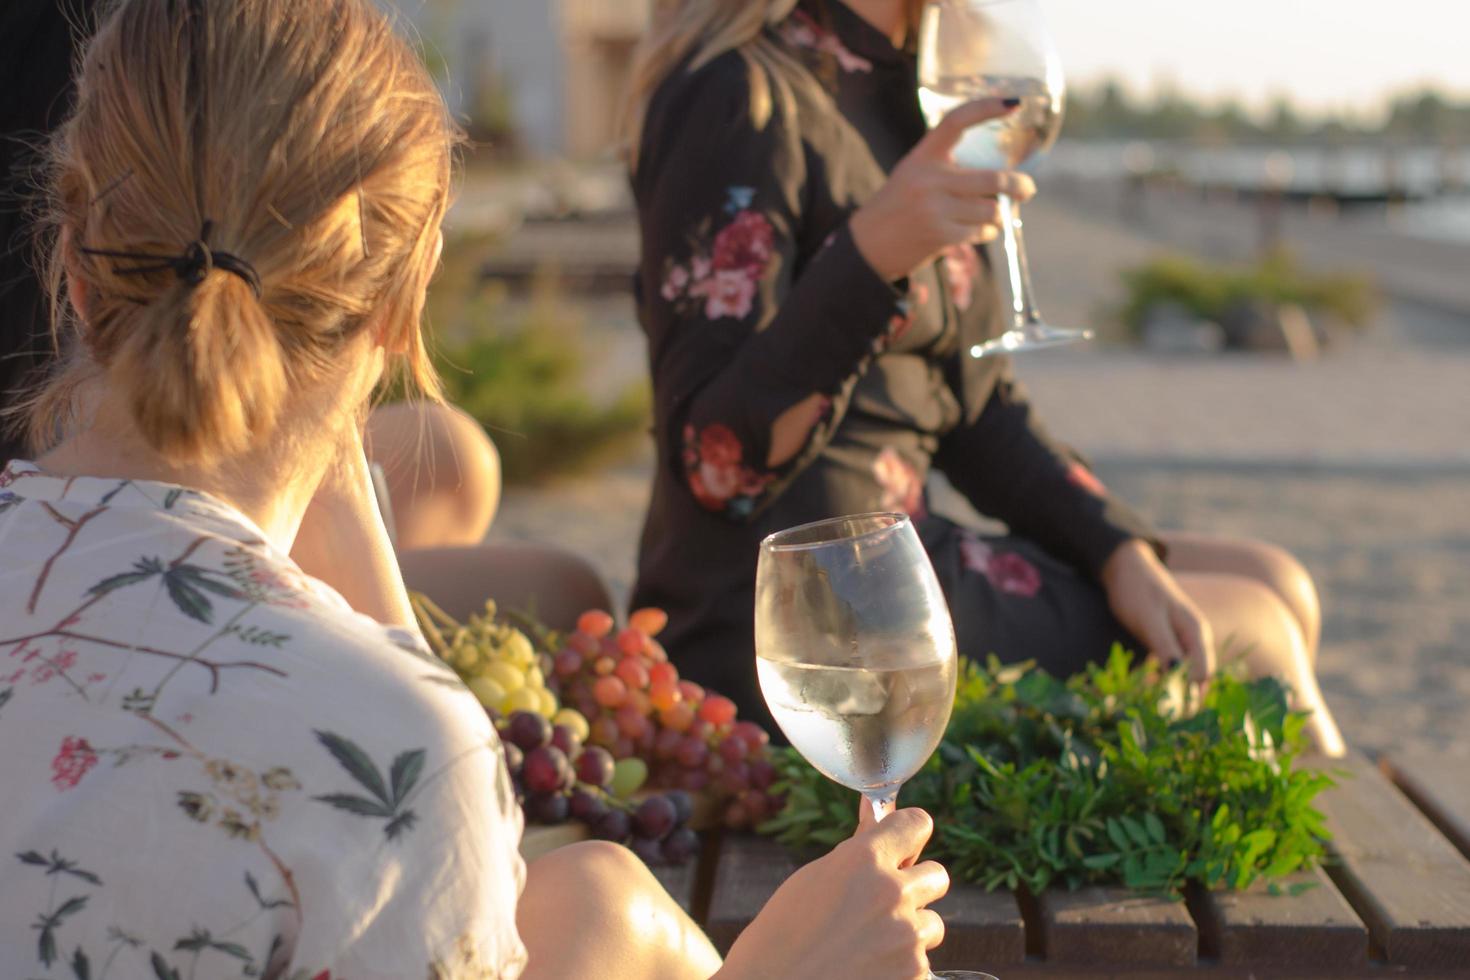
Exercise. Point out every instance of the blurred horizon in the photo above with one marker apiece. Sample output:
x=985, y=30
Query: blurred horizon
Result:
x=1345, y=58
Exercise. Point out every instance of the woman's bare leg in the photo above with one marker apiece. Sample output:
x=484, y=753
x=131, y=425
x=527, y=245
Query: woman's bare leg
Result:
x=442, y=470
x=1274, y=567
x=594, y=910
x=1250, y=621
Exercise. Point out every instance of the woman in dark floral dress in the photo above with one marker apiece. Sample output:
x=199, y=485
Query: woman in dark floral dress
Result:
x=811, y=279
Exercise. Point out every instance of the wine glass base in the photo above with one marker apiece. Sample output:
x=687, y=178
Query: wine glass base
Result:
x=1033, y=336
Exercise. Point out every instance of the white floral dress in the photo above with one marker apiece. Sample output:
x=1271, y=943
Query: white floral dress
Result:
x=211, y=767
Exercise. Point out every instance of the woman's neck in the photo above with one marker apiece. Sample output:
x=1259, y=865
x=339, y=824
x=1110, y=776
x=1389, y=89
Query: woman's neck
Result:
x=272, y=485
x=886, y=15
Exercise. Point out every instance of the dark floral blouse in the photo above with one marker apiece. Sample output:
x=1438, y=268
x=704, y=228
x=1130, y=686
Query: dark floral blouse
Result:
x=756, y=302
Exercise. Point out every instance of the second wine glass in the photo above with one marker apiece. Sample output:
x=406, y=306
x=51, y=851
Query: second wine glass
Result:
x=973, y=49
x=855, y=650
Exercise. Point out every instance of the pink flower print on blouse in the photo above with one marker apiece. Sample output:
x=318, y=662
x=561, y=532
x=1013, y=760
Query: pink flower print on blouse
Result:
x=726, y=293
x=1083, y=478
x=73, y=761
x=713, y=460
x=802, y=31
x=1007, y=571
x=676, y=283
x=902, y=488
x=961, y=269
x=745, y=244
x=721, y=280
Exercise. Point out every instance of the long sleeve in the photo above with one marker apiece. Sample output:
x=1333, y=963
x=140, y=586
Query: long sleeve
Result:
x=1010, y=468
x=754, y=295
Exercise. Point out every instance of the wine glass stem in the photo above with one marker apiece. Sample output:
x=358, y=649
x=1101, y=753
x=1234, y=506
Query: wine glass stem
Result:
x=1015, y=242
x=882, y=803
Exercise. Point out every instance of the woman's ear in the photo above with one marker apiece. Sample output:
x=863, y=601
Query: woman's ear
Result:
x=76, y=288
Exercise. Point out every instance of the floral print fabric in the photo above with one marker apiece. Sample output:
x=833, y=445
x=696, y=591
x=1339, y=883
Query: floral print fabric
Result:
x=214, y=768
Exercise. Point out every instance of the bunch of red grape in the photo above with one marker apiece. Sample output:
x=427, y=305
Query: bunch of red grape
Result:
x=637, y=706
x=558, y=778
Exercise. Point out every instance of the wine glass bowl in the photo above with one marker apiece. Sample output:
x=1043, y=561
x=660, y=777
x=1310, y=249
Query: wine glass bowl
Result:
x=855, y=650
x=972, y=49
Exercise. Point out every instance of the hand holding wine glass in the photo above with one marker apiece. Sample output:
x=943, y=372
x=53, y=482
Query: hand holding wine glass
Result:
x=855, y=652
x=971, y=49
x=929, y=203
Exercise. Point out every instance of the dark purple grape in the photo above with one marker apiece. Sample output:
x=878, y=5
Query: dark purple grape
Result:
x=547, y=808
x=566, y=740
x=588, y=807
x=654, y=818
x=680, y=846
x=514, y=758
x=762, y=774
x=595, y=766
x=614, y=826
x=545, y=770
x=528, y=730
x=650, y=850
x=692, y=753
x=683, y=806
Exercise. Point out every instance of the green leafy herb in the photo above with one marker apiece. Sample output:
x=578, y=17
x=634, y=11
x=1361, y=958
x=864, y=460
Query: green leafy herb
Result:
x=1111, y=777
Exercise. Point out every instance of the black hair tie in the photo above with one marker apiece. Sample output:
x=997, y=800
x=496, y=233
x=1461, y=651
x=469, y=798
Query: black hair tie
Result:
x=192, y=267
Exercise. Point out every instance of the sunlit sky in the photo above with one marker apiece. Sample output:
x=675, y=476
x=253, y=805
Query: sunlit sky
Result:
x=1326, y=54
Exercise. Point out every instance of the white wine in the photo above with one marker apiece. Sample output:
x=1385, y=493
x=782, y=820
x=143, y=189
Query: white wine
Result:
x=1010, y=142
x=866, y=728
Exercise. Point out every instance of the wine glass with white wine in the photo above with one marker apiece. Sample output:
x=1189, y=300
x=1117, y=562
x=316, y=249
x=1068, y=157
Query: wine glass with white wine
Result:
x=973, y=49
x=856, y=652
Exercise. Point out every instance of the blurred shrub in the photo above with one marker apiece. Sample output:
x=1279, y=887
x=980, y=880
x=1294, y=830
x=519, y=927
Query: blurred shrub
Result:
x=1209, y=291
x=522, y=370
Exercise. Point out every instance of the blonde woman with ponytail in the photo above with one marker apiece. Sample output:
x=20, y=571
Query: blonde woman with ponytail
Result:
x=813, y=275
x=215, y=764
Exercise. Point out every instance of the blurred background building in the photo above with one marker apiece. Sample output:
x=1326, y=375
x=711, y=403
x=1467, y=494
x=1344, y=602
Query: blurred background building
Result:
x=543, y=76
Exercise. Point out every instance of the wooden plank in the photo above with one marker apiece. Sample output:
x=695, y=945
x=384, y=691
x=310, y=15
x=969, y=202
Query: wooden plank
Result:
x=1114, y=926
x=982, y=930
x=1440, y=787
x=1407, y=882
x=1313, y=930
x=748, y=870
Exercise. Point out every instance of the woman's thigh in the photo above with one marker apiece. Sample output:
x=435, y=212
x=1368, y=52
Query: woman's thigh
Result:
x=1273, y=566
x=1008, y=597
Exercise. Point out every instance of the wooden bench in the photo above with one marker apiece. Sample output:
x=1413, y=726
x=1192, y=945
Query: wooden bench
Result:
x=1396, y=900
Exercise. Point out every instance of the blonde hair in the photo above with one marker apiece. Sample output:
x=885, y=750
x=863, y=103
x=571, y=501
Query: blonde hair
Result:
x=707, y=29
x=314, y=143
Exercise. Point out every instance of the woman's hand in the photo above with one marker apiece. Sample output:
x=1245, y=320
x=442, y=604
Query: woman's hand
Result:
x=857, y=913
x=930, y=203
x=1149, y=602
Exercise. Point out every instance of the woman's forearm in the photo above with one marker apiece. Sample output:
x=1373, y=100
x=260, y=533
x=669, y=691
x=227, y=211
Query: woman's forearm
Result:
x=343, y=542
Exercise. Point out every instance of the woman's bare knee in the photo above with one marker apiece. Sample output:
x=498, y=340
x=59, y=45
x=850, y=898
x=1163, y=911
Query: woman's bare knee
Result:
x=594, y=909
x=1269, y=564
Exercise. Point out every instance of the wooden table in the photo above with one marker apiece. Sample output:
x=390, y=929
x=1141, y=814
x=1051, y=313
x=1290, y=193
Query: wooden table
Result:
x=1396, y=900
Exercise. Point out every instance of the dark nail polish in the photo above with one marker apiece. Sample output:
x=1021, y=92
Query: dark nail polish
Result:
x=1010, y=103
